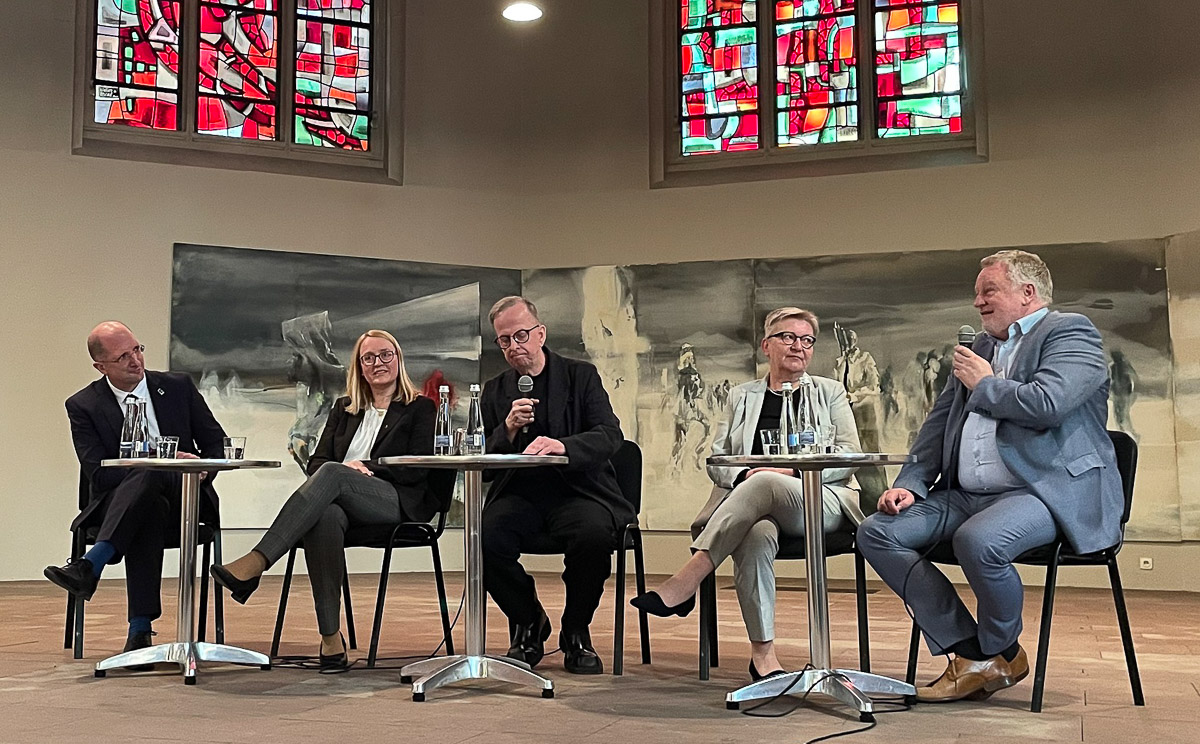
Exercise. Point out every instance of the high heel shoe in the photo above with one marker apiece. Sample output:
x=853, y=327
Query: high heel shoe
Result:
x=652, y=603
x=755, y=676
x=334, y=661
x=239, y=589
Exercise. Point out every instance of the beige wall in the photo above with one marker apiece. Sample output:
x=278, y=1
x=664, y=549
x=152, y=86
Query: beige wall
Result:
x=528, y=147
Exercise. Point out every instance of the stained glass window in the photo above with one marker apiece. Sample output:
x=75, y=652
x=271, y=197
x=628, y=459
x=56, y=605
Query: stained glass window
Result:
x=238, y=66
x=333, y=73
x=815, y=72
x=718, y=41
x=918, y=68
x=136, y=73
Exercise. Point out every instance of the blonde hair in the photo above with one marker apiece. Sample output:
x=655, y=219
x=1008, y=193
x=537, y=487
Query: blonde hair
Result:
x=1024, y=267
x=780, y=314
x=360, y=391
x=505, y=303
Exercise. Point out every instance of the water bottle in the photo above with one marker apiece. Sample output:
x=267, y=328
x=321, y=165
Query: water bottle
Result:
x=808, y=424
x=142, y=444
x=473, y=444
x=442, y=431
x=789, y=436
x=129, y=430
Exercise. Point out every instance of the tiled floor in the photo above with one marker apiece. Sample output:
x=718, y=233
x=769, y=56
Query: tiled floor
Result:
x=46, y=696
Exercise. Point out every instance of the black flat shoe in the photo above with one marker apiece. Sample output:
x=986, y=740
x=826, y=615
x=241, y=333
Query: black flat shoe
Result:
x=528, y=642
x=238, y=589
x=334, y=661
x=76, y=577
x=652, y=603
x=755, y=676
x=136, y=641
x=578, y=655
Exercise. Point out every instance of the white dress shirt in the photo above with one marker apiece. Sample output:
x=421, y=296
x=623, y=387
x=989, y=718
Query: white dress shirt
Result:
x=364, y=438
x=142, y=393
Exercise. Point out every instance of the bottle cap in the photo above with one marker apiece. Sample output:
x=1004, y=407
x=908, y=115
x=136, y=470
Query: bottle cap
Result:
x=474, y=387
x=443, y=388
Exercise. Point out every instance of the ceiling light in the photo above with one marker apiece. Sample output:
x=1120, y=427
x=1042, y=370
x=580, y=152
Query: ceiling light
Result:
x=522, y=12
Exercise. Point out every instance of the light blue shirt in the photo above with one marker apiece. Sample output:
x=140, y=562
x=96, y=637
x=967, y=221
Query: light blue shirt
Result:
x=980, y=468
x=142, y=393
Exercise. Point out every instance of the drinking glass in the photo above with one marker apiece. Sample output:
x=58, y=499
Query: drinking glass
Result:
x=770, y=441
x=235, y=448
x=168, y=447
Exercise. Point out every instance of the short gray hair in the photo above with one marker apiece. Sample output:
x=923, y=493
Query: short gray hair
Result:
x=780, y=314
x=1024, y=267
x=505, y=303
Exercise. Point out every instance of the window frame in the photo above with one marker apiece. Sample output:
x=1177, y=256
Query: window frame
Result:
x=383, y=163
x=670, y=168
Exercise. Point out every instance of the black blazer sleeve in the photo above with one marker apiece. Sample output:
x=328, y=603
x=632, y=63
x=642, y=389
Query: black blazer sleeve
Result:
x=90, y=450
x=207, y=433
x=324, y=451
x=599, y=435
x=492, y=406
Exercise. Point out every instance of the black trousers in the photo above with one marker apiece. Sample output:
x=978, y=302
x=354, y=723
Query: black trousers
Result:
x=141, y=519
x=513, y=524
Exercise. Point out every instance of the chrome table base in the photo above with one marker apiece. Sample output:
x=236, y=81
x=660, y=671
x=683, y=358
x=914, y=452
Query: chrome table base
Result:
x=848, y=686
x=185, y=655
x=433, y=673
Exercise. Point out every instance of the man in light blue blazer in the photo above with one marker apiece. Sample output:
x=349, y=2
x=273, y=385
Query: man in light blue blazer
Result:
x=1013, y=454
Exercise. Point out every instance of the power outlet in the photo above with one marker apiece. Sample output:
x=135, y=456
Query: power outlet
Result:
x=1146, y=564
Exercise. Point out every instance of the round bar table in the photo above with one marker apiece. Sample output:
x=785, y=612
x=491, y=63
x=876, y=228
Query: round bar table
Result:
x=430, y=674
x=850, y=686
x=186, y=650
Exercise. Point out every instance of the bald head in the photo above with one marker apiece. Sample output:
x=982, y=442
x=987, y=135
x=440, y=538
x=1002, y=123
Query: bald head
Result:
x=106, y=337
x=117, y=354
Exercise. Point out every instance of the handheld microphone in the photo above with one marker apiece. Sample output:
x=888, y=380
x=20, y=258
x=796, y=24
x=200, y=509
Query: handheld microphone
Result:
x=966, y=336
x=525, y=385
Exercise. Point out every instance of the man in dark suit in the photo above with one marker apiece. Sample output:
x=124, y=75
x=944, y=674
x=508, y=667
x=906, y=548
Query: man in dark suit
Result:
x=135, y=510
x=580, y=505
x=1013, y=454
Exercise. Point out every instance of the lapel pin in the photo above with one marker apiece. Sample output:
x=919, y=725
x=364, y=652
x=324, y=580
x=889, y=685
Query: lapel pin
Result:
x=161, y=391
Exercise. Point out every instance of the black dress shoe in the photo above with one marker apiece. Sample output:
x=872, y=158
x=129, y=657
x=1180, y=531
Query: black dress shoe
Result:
x=578, y=655
x=652, y=603
x=529, y=641
x=756, y=676
x=333, y=661
x=239, y=589
x=133, y=643
x=76, y=577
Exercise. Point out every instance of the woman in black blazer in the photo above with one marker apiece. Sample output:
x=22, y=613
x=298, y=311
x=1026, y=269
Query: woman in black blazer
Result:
x=382, y=415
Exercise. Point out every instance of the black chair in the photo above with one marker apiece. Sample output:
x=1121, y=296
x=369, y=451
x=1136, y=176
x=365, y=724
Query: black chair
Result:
x=791, y=547
x=1058, y=554
x=208, y=536
x=386, y=537
x=628, y=466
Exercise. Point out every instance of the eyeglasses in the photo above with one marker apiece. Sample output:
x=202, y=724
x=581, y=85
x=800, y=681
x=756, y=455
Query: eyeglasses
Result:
x=386, y=356
x=788, y=338
x=520, y=337
x=128, y=356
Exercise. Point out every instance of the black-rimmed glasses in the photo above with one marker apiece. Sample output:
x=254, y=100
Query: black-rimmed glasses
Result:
x=127, y=356
x=788, y=338
x=386, y=356
x=520, y=337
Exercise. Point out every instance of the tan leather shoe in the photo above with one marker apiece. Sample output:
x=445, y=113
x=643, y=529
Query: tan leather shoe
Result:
x=975, y=680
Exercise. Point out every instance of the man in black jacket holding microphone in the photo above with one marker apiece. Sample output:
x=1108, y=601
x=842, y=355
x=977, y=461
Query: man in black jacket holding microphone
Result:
x=565, y=412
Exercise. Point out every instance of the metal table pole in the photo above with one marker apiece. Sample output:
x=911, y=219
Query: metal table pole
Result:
x=185, y=651
x=430, y=674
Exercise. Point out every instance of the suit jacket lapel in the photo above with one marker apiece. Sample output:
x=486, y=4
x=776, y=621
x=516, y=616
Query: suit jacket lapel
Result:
x=394, y=411
x=753, y=403
x=109, y=410
x=165, y=406
x=558, y=394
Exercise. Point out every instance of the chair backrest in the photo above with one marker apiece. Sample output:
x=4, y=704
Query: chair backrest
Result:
x=628, y=465
x=1127, y=455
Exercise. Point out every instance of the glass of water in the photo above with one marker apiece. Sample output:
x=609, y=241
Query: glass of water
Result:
x=770, y=441
x=168, y=447
x=235, y=448
x=828, y=438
